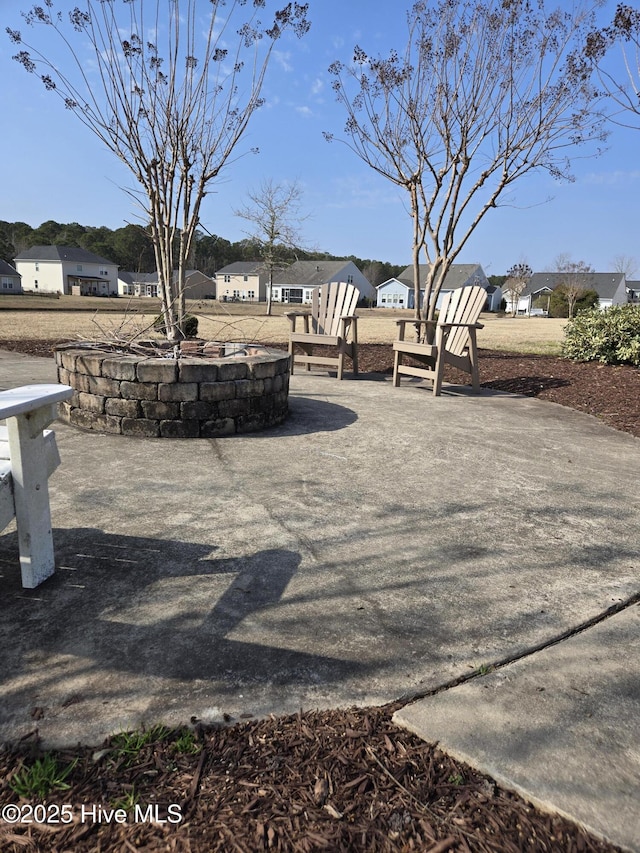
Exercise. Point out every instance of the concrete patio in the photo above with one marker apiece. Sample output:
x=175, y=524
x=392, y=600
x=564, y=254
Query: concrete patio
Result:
x=381, y=544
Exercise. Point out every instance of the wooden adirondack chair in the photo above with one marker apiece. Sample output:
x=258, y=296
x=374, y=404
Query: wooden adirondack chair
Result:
x=28, y=456
x=454, y=340
x=333, y=323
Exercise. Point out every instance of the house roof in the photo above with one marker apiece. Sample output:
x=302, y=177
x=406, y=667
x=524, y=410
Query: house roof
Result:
x=151, y=277
x=458, y=275
x=61, y=253
x=311, y=273
x=241, y=268
x=605, y=284
x=7, y=269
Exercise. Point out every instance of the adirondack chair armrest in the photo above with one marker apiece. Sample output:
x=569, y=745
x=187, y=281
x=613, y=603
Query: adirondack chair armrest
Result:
x=417, y=325
x=292, y=316
x=465, y=325
x=34, y=403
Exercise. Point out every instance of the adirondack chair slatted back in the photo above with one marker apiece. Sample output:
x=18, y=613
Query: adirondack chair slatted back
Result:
x=330, y=302
x=461, y=306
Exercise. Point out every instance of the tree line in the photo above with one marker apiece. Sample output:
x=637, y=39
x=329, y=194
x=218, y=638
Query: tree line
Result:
x=131, y=248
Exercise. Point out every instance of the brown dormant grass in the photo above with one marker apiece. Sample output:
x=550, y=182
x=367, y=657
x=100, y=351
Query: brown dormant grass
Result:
x=77, y=320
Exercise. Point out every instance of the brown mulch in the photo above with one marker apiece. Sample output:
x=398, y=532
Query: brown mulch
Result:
x=343, y=780
x=334, y=780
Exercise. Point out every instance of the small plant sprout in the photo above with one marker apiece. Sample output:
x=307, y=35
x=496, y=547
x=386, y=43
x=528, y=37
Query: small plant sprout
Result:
x=186, y=743
x=127, y=801
x=128, y=745
x=41, y=778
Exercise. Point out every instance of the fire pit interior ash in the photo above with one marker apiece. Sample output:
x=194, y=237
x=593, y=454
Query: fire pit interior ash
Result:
x=203, y=389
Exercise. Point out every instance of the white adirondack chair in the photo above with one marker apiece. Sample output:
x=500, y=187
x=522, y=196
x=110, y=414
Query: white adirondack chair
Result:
x=331, y=322
x=28, y=456
x=455, y=340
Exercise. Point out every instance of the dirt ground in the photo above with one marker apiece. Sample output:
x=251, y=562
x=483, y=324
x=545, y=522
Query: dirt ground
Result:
x=341, y=780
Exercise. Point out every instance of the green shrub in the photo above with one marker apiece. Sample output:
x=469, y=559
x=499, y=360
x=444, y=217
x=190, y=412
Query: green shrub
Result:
x=190, y=326
x=611, y=336
x=559, y=304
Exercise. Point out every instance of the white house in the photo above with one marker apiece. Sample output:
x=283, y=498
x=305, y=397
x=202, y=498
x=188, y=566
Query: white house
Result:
x=633, y=291
x=10, y=281
x=197, y=284
x=66, y=270
x=399, y=292
x=243, y=281
x=611, y=287
x=296, y=283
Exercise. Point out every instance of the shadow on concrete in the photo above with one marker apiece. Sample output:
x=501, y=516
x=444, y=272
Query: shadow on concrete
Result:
x=159, y=608
x=309, y=415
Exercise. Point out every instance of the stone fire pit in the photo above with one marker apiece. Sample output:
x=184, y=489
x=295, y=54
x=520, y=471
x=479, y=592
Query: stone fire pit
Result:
x=210, y=390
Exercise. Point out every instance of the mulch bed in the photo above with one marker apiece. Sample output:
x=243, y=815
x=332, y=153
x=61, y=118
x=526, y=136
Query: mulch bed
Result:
x=339, y=780
x=335, y=780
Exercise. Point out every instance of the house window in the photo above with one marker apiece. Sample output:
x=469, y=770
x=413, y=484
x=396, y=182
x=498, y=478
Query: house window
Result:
x=292, y=294
x=245, y=277
x=78, y=267
x=37, y=267
x=251, y=294
x=104, y=272
x=349, y=279
x=227, y=279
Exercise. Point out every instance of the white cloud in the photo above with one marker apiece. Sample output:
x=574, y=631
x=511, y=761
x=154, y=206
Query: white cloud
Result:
x=282, y=58
x=614, y=178
x=304, y=111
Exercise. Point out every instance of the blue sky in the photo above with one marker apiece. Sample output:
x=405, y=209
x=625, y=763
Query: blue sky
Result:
x=53, y=168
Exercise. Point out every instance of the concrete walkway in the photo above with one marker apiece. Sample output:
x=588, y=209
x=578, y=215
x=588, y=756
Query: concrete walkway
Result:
x=381, y=544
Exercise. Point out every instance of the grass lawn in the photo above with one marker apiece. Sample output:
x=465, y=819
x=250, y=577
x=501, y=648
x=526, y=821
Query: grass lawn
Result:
x=76, y=317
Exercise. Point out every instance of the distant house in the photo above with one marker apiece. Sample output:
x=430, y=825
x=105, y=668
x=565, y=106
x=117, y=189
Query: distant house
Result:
x=10, y=279
x=633, y=292
x=611, y=287
x=244, y=281
x=296, y=283
x=66, y=270
x=399, y=292
x=197, y=284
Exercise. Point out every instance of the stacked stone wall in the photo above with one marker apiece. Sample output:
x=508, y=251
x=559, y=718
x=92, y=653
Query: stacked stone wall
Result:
x=188, y=397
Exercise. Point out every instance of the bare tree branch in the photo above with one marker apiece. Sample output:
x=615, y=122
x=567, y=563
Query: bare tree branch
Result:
x=274, y=213
x=483, y=94
x=174, y=115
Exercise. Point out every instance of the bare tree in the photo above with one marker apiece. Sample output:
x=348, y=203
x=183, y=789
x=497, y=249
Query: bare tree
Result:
x=274, y=212
x=626, y=264
x=624, y=89
x=518, y=277
x=174, y=115
x=483, y=94
x=574, y=279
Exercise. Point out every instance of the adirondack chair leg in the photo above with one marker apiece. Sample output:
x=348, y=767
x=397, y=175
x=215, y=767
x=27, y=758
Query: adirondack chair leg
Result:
x=439, y=371
x=291, y=357
x=473, y=360
x=31, y=498
x=397, y=361
x=340, y=364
